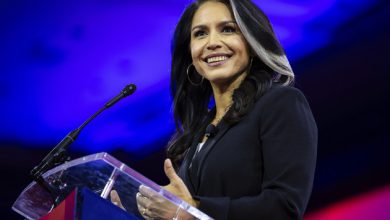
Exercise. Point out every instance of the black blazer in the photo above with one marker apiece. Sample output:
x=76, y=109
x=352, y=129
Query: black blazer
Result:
x=260, y=168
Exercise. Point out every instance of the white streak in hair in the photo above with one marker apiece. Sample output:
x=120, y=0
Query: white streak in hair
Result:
x=278, y=63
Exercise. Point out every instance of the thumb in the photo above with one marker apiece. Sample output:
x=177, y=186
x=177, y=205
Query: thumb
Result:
x=115, y=199
x=169, y=171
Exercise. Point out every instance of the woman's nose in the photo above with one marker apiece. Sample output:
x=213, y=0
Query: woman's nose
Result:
x=214, y=41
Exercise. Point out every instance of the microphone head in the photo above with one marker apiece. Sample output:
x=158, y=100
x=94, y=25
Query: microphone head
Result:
x=128, y=90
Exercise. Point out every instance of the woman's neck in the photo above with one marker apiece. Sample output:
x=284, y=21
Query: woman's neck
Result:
x=223, y=96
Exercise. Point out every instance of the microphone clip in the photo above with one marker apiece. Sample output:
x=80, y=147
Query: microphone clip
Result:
x=211, y=131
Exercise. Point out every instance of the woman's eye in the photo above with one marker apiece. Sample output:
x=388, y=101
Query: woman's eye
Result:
x=229, y=29
x=199, y=33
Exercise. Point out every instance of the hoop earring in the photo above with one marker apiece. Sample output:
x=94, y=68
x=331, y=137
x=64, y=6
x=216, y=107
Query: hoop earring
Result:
x=188, y=77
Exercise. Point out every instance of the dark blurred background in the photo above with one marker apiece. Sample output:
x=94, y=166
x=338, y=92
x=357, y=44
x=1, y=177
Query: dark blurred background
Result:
x=61, y=61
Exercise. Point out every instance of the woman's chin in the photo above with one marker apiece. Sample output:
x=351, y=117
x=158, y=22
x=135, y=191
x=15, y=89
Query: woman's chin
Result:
x=226, y=80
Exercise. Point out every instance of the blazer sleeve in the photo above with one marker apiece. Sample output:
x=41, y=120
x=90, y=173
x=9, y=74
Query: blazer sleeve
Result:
x=288, y=134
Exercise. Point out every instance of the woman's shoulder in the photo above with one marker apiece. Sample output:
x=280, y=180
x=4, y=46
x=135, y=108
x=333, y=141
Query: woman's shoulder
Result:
x=282, y=104
x=280, y=96
x=278, y=91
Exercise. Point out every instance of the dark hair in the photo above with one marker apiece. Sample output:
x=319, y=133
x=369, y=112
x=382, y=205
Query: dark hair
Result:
x=190, y=102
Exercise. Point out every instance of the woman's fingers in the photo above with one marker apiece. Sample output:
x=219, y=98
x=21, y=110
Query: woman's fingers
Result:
x=144, y=206
x=115, y=199
x=149, y=193
x=142, y=201
x=152, y=204
x=171, y=173
x=143, y=211
x=147, y=197
x=176, y=185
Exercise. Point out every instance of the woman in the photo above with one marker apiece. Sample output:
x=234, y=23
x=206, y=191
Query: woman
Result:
x=252, y=156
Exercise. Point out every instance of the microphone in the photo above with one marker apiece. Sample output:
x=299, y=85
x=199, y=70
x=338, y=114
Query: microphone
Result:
x=58, y=154
x=211, y=131
x=128, y=90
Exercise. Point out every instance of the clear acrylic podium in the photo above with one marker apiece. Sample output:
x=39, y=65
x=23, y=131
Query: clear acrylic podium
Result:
x=100, y=173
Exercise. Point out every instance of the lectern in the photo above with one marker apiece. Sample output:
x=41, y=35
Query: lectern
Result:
x=97, y=174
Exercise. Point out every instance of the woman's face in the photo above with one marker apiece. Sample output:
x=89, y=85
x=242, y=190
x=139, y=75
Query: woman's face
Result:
x=218, y=49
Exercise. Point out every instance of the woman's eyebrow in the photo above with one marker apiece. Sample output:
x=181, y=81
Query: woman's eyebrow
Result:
x=227, y=22
x=201, y=26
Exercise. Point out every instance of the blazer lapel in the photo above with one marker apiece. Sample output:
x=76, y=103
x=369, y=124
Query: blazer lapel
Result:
x=185, y=168
x=200, y=157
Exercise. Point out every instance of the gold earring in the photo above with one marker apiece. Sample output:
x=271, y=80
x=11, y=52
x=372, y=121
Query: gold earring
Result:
x=188, y=77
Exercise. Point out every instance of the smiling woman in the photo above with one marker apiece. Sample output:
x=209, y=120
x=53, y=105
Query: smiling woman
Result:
x=218, y=49
x=252, y=156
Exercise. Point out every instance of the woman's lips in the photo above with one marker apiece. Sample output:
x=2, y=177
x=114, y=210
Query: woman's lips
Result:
x=219, y=63
x=217, y=60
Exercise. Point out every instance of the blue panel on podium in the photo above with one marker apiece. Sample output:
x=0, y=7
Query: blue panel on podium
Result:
x=93, y=207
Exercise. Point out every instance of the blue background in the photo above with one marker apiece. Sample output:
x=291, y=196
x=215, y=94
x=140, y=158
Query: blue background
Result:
x=60, y=61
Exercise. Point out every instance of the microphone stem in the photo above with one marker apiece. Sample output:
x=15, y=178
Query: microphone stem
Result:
x=58, y=155
x=91, y=118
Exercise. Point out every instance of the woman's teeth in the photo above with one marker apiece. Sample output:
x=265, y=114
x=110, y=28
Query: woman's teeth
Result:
x=216, y=59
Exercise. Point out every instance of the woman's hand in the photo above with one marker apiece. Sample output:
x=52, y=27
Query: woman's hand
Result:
x=152, y=205
x=176, y=185
x=116, y=200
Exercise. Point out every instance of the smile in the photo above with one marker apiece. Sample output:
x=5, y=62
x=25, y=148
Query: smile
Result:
x=216, y=59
